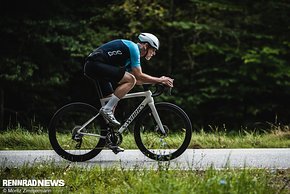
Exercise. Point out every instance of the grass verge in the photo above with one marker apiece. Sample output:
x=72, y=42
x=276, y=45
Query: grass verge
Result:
x=244, y=139
x=160, y=180
x=21, y=139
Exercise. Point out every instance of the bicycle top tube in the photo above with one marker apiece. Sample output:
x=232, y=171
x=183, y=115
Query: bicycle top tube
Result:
x=159, y=89
x=146, y=94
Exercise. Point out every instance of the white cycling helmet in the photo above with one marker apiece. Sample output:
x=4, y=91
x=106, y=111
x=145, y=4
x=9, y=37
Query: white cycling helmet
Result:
x=149, y=38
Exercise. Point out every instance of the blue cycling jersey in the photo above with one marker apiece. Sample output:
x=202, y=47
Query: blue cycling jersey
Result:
x=122, y=53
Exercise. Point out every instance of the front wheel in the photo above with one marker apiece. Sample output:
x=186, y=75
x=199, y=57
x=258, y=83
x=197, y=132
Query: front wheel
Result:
x=156, y=145
x=63, y=134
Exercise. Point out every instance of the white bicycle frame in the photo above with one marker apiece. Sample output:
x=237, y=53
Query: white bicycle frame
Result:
x=148, y=100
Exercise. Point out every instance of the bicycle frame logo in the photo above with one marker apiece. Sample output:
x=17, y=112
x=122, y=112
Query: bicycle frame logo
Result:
x=133, y=116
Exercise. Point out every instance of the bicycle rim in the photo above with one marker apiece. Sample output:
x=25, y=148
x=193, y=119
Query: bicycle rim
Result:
x=63, y=132
x=156, y=145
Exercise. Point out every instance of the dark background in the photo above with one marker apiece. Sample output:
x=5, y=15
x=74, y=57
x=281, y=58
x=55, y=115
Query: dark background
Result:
x=229, y=59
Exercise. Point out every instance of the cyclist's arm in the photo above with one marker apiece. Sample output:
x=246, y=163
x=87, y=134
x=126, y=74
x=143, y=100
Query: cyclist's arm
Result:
x=143, y=78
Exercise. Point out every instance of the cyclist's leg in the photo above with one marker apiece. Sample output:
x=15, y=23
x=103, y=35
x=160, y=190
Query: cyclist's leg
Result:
x=108, y=91
x=125, y=85
x=101, y=71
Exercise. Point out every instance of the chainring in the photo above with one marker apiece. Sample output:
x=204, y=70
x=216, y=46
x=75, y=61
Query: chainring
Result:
x=114, y=138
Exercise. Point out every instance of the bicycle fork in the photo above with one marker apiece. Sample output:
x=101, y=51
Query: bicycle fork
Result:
x=156, y=117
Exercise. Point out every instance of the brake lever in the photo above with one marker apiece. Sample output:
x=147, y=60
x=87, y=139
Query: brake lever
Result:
x=159, y=89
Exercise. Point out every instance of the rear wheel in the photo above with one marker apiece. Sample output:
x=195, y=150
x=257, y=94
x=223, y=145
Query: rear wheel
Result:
x=156, y=145
x=63, y=134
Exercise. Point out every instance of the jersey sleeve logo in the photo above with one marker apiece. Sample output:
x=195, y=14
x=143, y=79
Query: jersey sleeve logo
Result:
x=117, y=52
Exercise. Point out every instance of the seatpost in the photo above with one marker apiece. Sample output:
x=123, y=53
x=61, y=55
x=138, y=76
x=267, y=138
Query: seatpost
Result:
x=99, y=90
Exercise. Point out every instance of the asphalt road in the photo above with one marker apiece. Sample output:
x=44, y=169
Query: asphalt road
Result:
x=191, y=159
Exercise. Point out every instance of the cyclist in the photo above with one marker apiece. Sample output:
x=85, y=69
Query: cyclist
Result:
x=118, y=62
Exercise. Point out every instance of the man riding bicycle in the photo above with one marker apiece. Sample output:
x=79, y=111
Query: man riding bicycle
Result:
x=118, y=62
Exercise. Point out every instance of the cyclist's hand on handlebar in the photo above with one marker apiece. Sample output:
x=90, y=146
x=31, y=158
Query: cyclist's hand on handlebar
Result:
x=167, y=81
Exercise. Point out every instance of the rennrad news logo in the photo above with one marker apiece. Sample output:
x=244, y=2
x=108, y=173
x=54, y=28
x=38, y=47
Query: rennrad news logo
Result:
x=32, y=183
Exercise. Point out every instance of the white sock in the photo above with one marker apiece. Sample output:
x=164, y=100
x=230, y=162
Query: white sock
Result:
x=112, y=103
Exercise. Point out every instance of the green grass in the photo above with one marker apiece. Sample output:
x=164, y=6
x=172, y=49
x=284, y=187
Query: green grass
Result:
x=272, y=139
x=21, y=139
x=160, y=180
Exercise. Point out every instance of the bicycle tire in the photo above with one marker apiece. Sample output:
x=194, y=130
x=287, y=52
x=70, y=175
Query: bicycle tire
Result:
x=66, y=120
x=147, y=133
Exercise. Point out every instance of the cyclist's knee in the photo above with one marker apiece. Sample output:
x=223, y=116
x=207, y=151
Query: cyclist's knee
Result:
x=133, y=80
x=129, y=78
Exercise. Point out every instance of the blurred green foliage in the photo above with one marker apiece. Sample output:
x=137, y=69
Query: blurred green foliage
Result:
x=230, y=60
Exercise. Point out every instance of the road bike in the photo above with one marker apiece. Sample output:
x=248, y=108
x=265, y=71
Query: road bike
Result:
x=162, y=131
